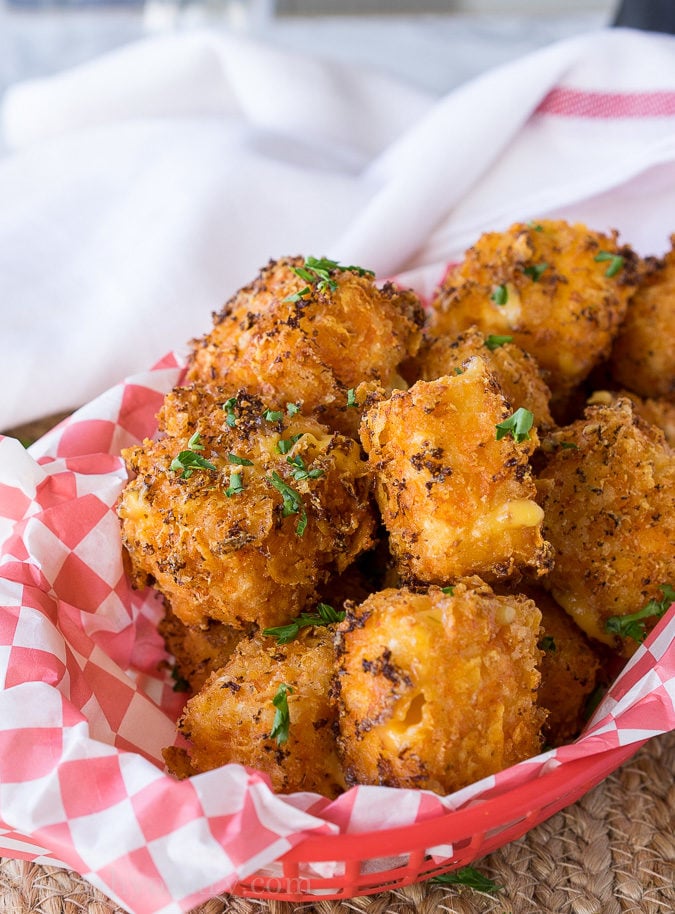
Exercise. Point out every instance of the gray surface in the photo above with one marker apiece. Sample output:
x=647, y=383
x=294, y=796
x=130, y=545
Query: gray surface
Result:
x=432, y=52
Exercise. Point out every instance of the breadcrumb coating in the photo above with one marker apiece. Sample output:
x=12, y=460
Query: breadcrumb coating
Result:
x=569, y=670
x=311, y=349
x=658, y=411
x=518, y=374
x=283, y=503
x=232, y=718
x=642, y=356
x=455, y=499
x=437, y=690
x=560, y=290
x=608, y=494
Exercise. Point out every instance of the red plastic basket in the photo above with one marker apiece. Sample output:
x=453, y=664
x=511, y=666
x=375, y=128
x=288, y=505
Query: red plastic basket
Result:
x=473, y=832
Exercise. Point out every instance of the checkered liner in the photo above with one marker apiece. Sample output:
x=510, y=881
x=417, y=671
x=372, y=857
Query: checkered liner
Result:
x=87, y=703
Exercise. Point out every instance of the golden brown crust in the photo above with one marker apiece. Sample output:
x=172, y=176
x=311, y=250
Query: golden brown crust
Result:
x=454, y=499
x=608, y=494
x=518, y=374
x=541, y=284
x=569, y=670
x=642, y=356
x=313, y=350
x=198, y=650
x=658, y=411
x=232, y=717
x=437, y=690
x=244, y=558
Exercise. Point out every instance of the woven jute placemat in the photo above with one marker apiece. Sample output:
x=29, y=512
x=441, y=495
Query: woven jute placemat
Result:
x=613, y=852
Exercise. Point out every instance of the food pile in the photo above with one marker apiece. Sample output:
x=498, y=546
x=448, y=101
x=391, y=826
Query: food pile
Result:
x=408, y=549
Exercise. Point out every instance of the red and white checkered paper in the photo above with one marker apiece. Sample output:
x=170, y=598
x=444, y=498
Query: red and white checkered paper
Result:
x=86, y=706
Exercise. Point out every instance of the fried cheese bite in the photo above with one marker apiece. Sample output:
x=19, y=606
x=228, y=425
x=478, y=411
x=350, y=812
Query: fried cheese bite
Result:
x=310, y=334
x=437, y=689
x=608, y=494
x=569, y=670
x=658, y=411
x=642, y=356
x=455, y=491
x=559, y=290
x=198, y=650
x=240, y=512
x=517, y=372
x=269, y=708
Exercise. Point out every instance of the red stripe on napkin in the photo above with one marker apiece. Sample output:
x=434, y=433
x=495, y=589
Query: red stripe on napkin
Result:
x=578, y=103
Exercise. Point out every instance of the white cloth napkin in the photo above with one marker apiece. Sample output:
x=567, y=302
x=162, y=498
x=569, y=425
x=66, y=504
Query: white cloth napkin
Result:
x=146, y=187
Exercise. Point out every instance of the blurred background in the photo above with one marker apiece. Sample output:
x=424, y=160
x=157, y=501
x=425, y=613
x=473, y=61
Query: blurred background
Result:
x=433, y=44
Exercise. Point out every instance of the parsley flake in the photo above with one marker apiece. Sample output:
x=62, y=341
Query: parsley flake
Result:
x=324, y=615
x=236, y=486
x=284, y=445
x=616, y=262
x=351, y=397
x=535, y=272
x=273, y=415
x=282, y=718
x=239, y=461
x=296, y=296
x=500, y=295
x=518, y=425
x=632, y=626
x=458, y=370
x=228, y=406
x=535, y=226
x=188, y=461
x=292, y=409
x=470, y=877
x=569, y=446
x=449, y=590
x=292, y=502
x=547, y=643
x=300, y=471
x=494, y=341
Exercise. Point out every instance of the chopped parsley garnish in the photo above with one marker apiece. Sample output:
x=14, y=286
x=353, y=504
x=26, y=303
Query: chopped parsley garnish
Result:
x=500, y=295
x=284, y=445
x=494, y=341
x=236, y=486
x=470, y=877
x=449, y=590
x=282, y=718
x=292, y=502
x=547, y=644
x=632, y=626
x=535, y=271
x=272, y=415
x=351, y=397
x=458, y=370
x=300, y=471
x=239, y=461
x=188, y=461
x=292, y=409
x=194, y=444
x=616, y=262
x=535, y=226
x=324, y=615
x=228, y=406
x=569, y=446
x=316, y=271
x=518, y=425
x=296, y=296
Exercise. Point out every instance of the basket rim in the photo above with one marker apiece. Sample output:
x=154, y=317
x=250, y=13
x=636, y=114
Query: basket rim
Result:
x=516, y=804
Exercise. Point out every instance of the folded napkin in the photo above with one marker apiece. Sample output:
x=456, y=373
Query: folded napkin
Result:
x=146, y=187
